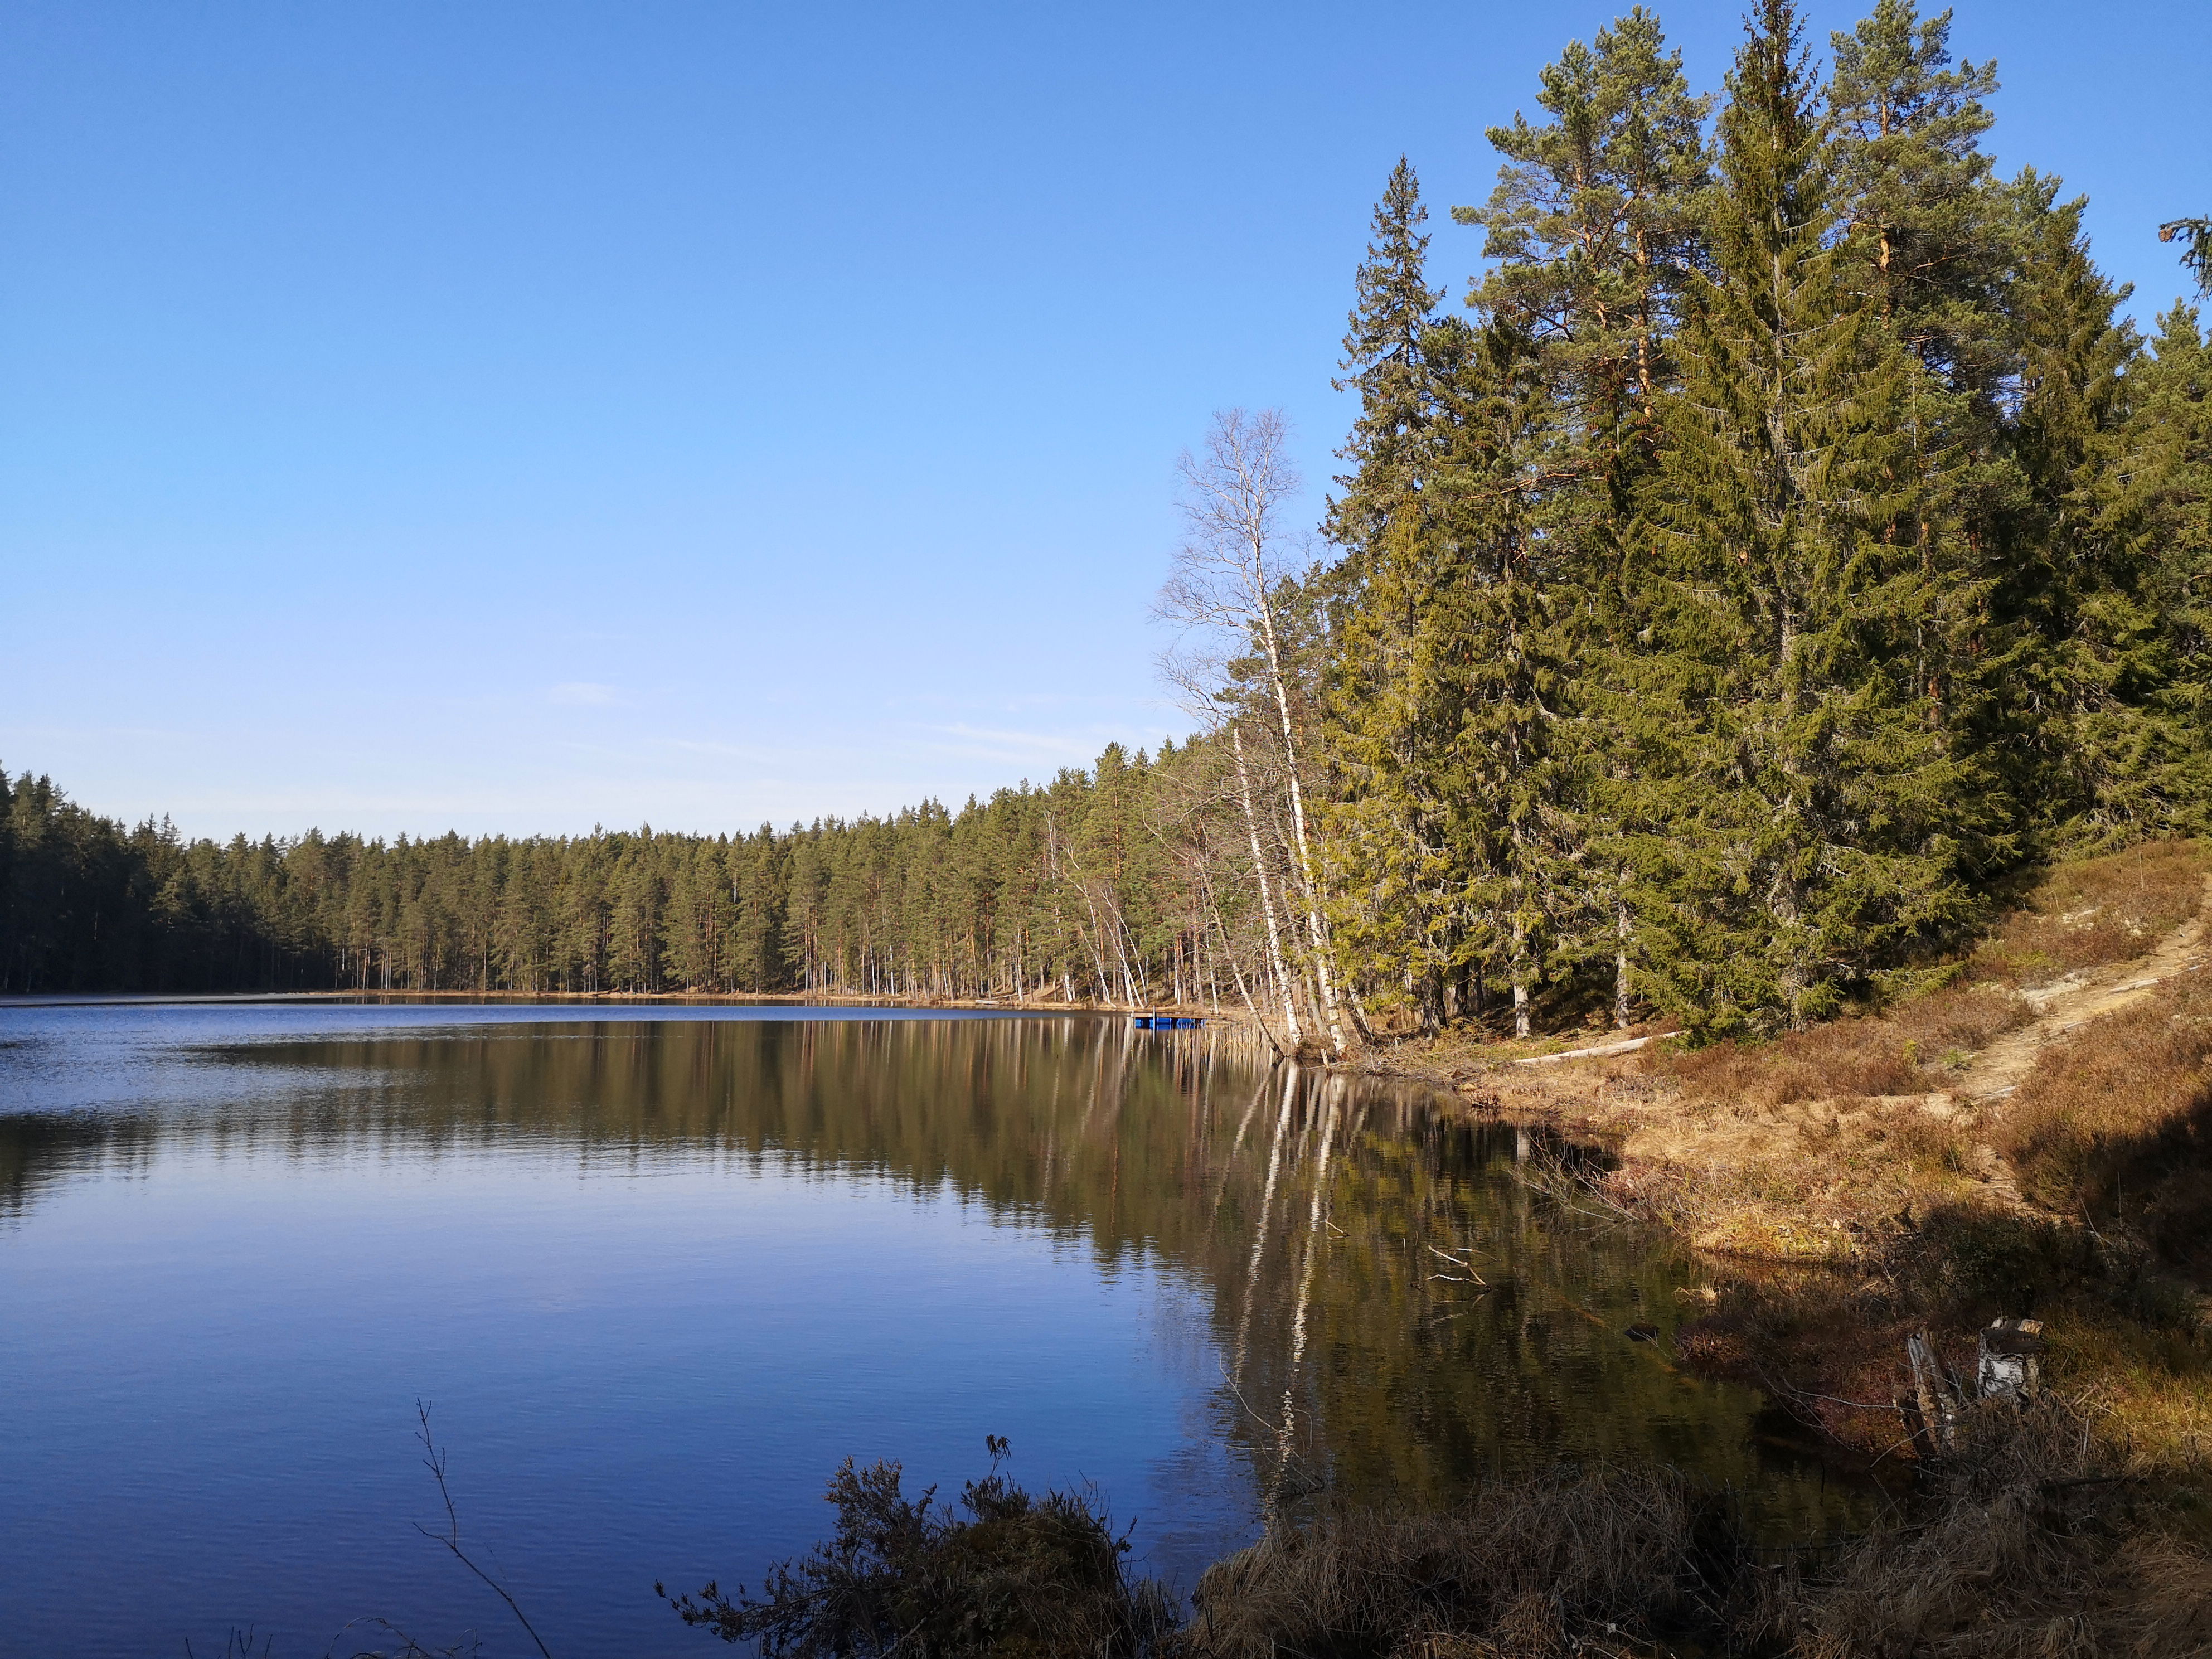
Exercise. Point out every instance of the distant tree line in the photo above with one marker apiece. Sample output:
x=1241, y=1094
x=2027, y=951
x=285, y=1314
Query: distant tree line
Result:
x=1066, y=891
x=1785, y=544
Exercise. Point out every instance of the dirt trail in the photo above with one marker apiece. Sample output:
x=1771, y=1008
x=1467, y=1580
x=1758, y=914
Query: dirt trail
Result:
x=1739, y=1163
x=1585, y=1085
x=2066, y=1003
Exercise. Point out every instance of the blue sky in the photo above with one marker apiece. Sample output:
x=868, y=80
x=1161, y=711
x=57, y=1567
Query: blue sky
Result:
x=525, y=417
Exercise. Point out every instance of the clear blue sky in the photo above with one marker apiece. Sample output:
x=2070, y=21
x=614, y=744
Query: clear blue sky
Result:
x=522, y=416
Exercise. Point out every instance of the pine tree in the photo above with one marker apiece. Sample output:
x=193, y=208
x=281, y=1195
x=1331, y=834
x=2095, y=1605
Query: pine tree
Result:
x=1597, y=225
x=1925, y=221
x=2194, y=236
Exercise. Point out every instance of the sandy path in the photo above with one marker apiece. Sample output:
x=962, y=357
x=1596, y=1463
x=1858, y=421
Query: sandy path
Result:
x=2066, y=1003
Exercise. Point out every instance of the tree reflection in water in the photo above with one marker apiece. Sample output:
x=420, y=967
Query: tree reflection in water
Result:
x=1322, y=1212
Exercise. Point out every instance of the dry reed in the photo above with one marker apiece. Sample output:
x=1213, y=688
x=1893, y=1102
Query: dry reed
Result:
x=1589, y=1562
x=2031, y=1539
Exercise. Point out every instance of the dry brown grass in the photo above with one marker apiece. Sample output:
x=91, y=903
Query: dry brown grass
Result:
x=1914, y=1048
x=2034, y=1543
x=1819, y=1181
x=2114, y=1124
x=1591, y=1563
x=2031, y=1539
x=2096, y=912
x=2149, y=1370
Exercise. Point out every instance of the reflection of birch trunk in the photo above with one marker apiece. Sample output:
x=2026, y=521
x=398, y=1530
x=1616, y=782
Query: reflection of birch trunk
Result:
x=1319, y=1214
x=1117, y=1053
x=1229, y=1164
x=1266, y=899
x=1266, y=1210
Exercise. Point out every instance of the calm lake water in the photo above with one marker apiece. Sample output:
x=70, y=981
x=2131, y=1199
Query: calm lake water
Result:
x=660, y=1272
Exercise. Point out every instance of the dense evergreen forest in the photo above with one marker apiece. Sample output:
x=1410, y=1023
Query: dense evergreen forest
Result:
x=1783, y=543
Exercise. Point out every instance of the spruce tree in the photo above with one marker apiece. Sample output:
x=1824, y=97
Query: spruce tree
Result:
x=1809, y=820
x=2138, y=654
x=1501, y=644
x=1393, y=919
x=1926, y=245
x=1386, y=361
x=2069, y=578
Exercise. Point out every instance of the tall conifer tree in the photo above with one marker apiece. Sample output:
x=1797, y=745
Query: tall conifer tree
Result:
x=1395, y=918
x=1816, y=815
x=1386, y=350
x=1926, y=232
x=2072, y=580
x=1596, y=224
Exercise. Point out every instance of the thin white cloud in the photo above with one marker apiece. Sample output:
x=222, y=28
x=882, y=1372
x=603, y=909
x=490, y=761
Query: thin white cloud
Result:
x=1069, y=748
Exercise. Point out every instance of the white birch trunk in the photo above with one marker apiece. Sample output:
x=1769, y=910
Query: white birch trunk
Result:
x=1266, y=901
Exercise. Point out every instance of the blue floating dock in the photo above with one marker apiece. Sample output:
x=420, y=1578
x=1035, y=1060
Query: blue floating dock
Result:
x=1165, y=1023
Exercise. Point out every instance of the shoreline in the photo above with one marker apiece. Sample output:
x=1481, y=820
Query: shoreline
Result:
x=622, y=999
x=2015, y=1142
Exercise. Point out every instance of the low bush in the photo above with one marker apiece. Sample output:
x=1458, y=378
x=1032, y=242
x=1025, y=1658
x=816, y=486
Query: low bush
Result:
x=1911, y=1049
x=1006, y=1576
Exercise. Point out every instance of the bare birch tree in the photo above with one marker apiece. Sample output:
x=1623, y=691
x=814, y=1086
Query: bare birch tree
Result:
x=1197, y=818
x=1226, y=587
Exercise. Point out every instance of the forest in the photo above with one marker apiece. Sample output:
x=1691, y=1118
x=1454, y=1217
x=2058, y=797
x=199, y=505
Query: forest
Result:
x=1783, y=546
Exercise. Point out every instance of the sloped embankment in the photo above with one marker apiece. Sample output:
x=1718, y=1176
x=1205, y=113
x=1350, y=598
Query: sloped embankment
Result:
x=2031, y=1134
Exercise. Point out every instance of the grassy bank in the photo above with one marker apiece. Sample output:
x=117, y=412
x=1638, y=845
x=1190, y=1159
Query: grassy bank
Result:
x=2026, y=1130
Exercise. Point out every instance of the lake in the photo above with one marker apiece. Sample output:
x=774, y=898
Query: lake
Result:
x=659, y=1271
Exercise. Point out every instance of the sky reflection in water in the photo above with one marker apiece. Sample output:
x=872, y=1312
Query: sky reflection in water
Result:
x=659, y=1273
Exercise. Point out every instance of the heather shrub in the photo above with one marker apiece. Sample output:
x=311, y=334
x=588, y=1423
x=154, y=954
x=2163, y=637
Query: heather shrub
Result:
x=2112, y=1124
